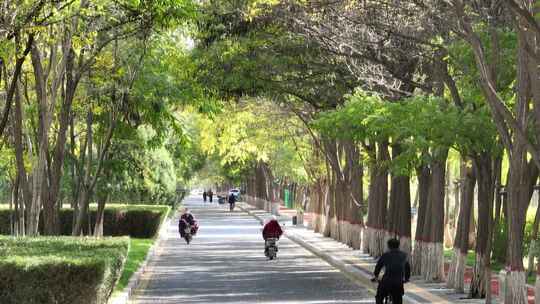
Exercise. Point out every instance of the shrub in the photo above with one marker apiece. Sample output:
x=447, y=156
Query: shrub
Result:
x=500, y=241
x=138, y=221
x=60, y=270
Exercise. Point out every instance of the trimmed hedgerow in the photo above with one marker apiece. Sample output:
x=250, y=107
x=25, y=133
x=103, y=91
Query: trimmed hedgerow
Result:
x=138, y=221
x=60, y=270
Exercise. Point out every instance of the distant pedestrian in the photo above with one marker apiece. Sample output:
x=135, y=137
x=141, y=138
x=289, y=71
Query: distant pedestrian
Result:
x=210, y=195
x=204, y=194
x=232, y=201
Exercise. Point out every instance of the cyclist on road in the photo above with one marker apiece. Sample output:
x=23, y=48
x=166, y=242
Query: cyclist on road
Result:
x=397, y=271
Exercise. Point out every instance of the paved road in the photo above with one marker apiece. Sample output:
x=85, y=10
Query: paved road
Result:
x=225, y=264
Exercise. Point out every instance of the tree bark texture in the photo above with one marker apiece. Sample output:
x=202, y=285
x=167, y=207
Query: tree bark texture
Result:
x=423, y=174
x=433, y=234
x=456, y=273
x=375, y=233
x=399, y=212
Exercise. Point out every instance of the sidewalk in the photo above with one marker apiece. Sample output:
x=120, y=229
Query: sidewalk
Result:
x=357, y=265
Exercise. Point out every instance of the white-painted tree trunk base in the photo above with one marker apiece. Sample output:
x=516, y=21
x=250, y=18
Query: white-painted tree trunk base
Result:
x=417, y=254
x=433, y=262
x=387, y=236
x=451, y=279
x=456, y=272
x=319, y=223
x=479, y=278
x=406, y=245
x=460, y=272
x=367, y=235
x=350, y=234
x=345, y=232
x=316, y=222
x=334, y=229
x=537, y=290
x=376, y=241
x=310, y=224
x=356, y=238
x=516, y=288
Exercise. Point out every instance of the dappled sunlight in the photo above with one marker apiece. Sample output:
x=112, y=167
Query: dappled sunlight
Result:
x=225, y=263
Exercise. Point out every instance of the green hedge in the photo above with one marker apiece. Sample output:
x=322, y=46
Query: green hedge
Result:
x=60, y=270
x=138, y=221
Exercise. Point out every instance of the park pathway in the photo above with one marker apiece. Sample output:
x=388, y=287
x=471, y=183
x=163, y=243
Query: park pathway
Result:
x=225, y=264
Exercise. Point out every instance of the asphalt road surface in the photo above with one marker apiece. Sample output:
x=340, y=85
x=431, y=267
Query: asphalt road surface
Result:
x=225, y=263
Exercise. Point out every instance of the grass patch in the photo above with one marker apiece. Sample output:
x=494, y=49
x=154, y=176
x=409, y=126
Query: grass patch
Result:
x=60, y=270
x=138, y=250
x=495, y=266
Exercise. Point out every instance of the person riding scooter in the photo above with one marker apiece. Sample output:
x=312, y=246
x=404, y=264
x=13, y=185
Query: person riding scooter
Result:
x=272, y=229
x=187, y=225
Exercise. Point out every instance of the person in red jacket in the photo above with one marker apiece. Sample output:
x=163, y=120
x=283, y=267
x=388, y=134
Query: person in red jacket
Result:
x=272, y=229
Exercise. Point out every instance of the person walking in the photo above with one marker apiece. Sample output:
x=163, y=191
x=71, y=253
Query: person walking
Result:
x=204, y=194
x=232, y=201
x=210, y=195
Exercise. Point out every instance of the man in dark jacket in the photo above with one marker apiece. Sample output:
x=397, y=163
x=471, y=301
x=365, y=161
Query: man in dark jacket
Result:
x=397, y=271
x=232, y=201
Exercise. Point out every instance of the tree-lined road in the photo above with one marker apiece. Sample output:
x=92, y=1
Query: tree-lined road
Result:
x=225, y=264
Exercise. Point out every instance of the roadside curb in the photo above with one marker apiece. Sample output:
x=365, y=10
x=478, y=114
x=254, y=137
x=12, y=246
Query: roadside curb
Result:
x=123, y=296
x=355, y=273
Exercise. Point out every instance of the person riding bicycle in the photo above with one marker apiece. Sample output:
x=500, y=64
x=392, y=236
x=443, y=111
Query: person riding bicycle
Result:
x=272, y=229
x=397, y=271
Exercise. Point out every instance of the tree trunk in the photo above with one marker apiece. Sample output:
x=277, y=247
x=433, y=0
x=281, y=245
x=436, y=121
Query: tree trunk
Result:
x=51, y=203
x=449, y=228
x=424, y=179
x=11, y=90
x=356, y=190
x=485, y=166
x=85, y=188
x=456, y=273
x=518, y=184
x=399, y=219
x=377, y=205
x=22, y=178
x=433, y=258
x=100, y=213
x=14, y=208
x=534, y=239
x=517, y=210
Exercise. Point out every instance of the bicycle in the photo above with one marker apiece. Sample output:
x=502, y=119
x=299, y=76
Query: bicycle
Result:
x=388, y=299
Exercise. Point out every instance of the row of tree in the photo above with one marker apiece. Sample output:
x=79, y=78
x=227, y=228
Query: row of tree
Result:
x=389, y=88
x=90, y=97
